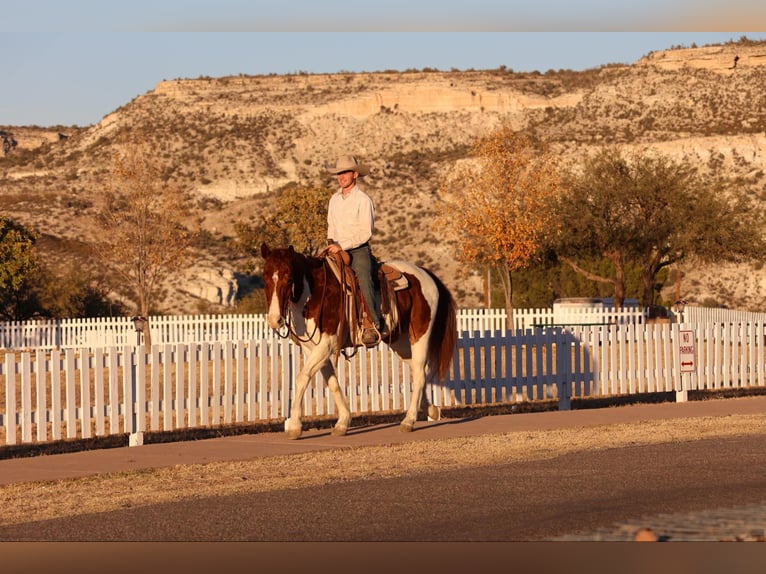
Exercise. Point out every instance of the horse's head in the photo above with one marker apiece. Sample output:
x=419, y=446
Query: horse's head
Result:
x=279, y=279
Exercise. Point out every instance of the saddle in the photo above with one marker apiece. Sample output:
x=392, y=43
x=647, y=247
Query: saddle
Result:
x=356, y=312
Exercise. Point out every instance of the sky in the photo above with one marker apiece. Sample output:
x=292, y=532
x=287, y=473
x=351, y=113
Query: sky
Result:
x=72, y=63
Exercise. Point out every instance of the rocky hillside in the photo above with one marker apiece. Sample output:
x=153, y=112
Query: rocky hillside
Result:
x=234, y=141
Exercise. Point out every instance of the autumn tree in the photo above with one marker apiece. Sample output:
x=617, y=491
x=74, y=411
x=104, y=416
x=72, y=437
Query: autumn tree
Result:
x=498, y=204
x=646, y=209
x=145, y=240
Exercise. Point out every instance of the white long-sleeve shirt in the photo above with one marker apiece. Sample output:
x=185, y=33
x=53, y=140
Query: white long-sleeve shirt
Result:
x=350, y=218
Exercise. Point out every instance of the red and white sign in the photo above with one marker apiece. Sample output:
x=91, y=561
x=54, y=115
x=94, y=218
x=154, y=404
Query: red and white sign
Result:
x=686, y=351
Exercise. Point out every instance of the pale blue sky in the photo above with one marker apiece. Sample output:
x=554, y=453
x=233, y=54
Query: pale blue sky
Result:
x=71, y=63
x=379, y=15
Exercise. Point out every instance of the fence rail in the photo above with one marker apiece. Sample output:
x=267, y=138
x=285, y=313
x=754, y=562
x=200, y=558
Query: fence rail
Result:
x=54, y=394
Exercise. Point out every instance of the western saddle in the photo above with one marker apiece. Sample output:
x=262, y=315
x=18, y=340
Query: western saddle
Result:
x=356, y=315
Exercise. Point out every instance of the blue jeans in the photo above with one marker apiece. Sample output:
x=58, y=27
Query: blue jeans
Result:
x=366, y=272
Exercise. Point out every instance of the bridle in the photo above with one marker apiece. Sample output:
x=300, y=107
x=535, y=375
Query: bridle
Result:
x=286, y=313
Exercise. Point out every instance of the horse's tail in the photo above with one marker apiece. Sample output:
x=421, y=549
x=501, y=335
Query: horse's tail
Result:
x=443, y=338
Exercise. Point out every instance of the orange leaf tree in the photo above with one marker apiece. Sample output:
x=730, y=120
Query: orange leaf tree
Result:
x=499, y=204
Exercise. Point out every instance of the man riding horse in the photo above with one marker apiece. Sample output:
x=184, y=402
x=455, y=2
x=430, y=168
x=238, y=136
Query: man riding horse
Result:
x=350, y=223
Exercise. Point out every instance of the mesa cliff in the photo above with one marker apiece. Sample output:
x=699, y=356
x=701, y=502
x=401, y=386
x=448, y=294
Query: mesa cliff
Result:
x=235, y=141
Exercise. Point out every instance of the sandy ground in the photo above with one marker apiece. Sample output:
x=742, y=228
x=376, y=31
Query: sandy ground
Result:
x=33, y=501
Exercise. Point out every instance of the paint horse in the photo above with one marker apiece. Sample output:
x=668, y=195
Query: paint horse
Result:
x=306, y=296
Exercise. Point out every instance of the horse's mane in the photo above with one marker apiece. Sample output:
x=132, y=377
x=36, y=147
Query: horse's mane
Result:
x=303, y=265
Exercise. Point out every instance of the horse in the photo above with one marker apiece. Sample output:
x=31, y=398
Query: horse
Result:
x=304, y=295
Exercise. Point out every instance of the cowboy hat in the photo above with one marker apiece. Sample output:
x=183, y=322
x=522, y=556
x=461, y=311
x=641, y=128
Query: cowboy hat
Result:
x=349, y=163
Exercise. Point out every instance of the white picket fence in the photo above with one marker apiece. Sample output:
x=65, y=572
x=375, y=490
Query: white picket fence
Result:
x=120, y=331
x=55, y=394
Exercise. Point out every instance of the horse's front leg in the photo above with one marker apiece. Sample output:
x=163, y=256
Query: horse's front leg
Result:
x=293, y=424
x=344, y=415
x=316, y=359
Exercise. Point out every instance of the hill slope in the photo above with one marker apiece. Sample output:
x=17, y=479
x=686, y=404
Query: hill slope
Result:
x=234, y=141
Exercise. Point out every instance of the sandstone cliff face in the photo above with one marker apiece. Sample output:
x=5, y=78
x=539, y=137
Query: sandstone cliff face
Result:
x=234, y=141
x=723, y=59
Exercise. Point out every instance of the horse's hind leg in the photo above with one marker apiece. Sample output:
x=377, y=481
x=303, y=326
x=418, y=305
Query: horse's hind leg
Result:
x=418, y=370
x=408, y=423
x=427, y=409
x=344, y=415
x=433, y=411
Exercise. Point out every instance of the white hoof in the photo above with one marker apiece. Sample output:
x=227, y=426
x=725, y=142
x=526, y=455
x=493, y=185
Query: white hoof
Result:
x=406, y=427
x=292, y=430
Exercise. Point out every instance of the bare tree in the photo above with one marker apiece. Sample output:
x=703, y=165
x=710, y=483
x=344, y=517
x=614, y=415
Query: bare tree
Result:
x=145, y=241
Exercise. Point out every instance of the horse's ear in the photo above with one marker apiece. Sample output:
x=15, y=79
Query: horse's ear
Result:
x=291, y=250
x=265, y=250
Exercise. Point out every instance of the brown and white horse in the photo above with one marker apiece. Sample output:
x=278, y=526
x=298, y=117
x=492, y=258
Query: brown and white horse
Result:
x=303, y=295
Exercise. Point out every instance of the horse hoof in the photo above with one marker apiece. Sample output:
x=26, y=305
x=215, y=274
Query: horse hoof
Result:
x=293, y=433
x=339, y=431
x=434, y=413
x=406, y=427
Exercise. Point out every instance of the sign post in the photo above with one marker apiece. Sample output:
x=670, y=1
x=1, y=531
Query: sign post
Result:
x=686, y=360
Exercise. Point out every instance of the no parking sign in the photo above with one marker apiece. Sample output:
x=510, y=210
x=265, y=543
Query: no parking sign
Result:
x=686, y=351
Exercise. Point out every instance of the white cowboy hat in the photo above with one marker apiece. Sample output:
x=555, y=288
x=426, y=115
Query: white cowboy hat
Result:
x=349, y=163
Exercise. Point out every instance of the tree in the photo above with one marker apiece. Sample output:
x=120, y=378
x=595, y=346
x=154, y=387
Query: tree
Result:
x=73, y=292
x=18, y=263
x=499, y=205
x=145, y=240
x=645, y=209
x=299, y=218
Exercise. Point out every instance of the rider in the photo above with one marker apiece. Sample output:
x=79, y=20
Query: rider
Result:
x=350, y=223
